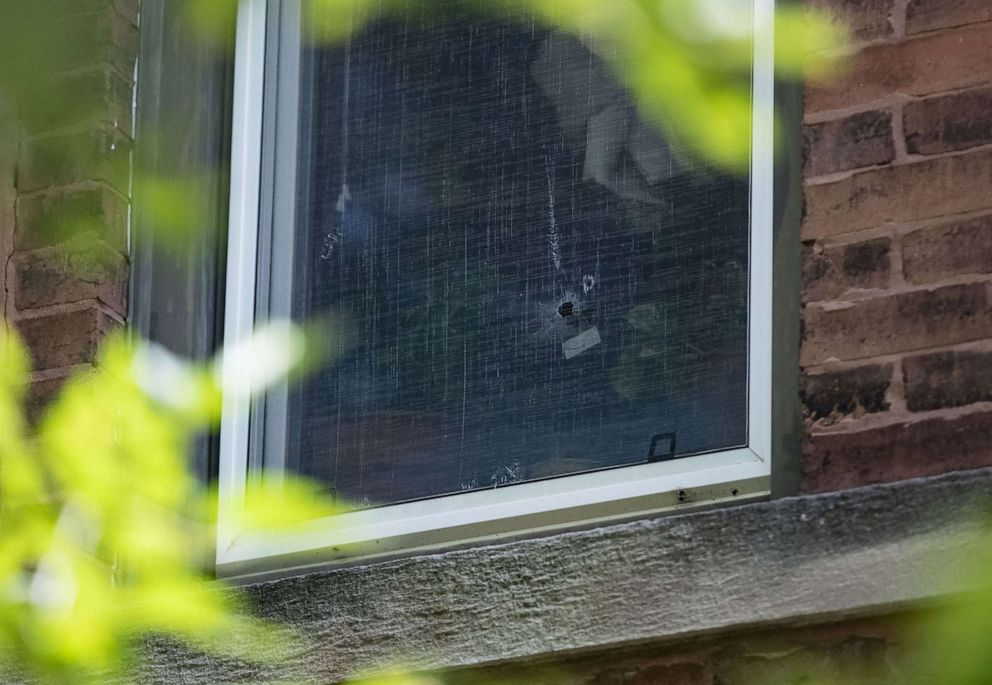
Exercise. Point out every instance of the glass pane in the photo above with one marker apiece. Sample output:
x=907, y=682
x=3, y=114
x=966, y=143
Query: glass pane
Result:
x=526, y=282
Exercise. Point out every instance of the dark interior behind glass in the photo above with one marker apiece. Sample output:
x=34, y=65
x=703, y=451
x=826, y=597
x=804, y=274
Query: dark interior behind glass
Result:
x=526, y=281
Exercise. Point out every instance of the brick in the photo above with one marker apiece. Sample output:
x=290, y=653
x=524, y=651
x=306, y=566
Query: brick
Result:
x=654, y=674
x=91, y=155
x=853, y=660
x=71, y=273
x=126, y=8
x=947, y=379
x=833, y=394
x=864, y=19
x=829, y=272
x=8, y=195
x=65, y=214
x=41, y=394
x=835, y=461
x=950, y=122
x=921, y=66
x=930, y=188
x=860, y=140
x=929, y=15
x=101, y=36
x=849, y=652
x=951, y=249
x=62, y=36
x=93, y=97
x=901, y=322
x=64, y=338
x=6, y=228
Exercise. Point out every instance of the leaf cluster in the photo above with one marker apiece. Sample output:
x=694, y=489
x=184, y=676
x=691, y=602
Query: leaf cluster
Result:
x=105, y=536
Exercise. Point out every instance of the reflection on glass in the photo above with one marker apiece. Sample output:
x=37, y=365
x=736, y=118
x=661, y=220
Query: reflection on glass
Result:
x=530, y=283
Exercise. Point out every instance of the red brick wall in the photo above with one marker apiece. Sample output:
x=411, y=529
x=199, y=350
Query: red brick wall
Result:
x=850, y=652
x=897, y=247
x=64, y=193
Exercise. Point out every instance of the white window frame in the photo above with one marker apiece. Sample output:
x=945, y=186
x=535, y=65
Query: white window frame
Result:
x=430, y=524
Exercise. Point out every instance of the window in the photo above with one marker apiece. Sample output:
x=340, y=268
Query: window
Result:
x=541, y=315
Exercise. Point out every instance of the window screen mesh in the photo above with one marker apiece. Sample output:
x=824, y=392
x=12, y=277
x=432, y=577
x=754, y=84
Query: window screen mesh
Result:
x=525, y=280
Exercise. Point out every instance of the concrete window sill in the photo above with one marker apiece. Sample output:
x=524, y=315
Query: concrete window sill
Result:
x=788, y=561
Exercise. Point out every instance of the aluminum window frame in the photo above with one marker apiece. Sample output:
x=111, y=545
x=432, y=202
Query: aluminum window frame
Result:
x=525, y=508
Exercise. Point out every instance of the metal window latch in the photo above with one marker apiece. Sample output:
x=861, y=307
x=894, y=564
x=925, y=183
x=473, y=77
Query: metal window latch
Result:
x=653, y=456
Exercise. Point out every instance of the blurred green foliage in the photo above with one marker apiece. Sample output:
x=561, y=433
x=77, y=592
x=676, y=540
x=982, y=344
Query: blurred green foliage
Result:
x=105, y=537
x=687, y=62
